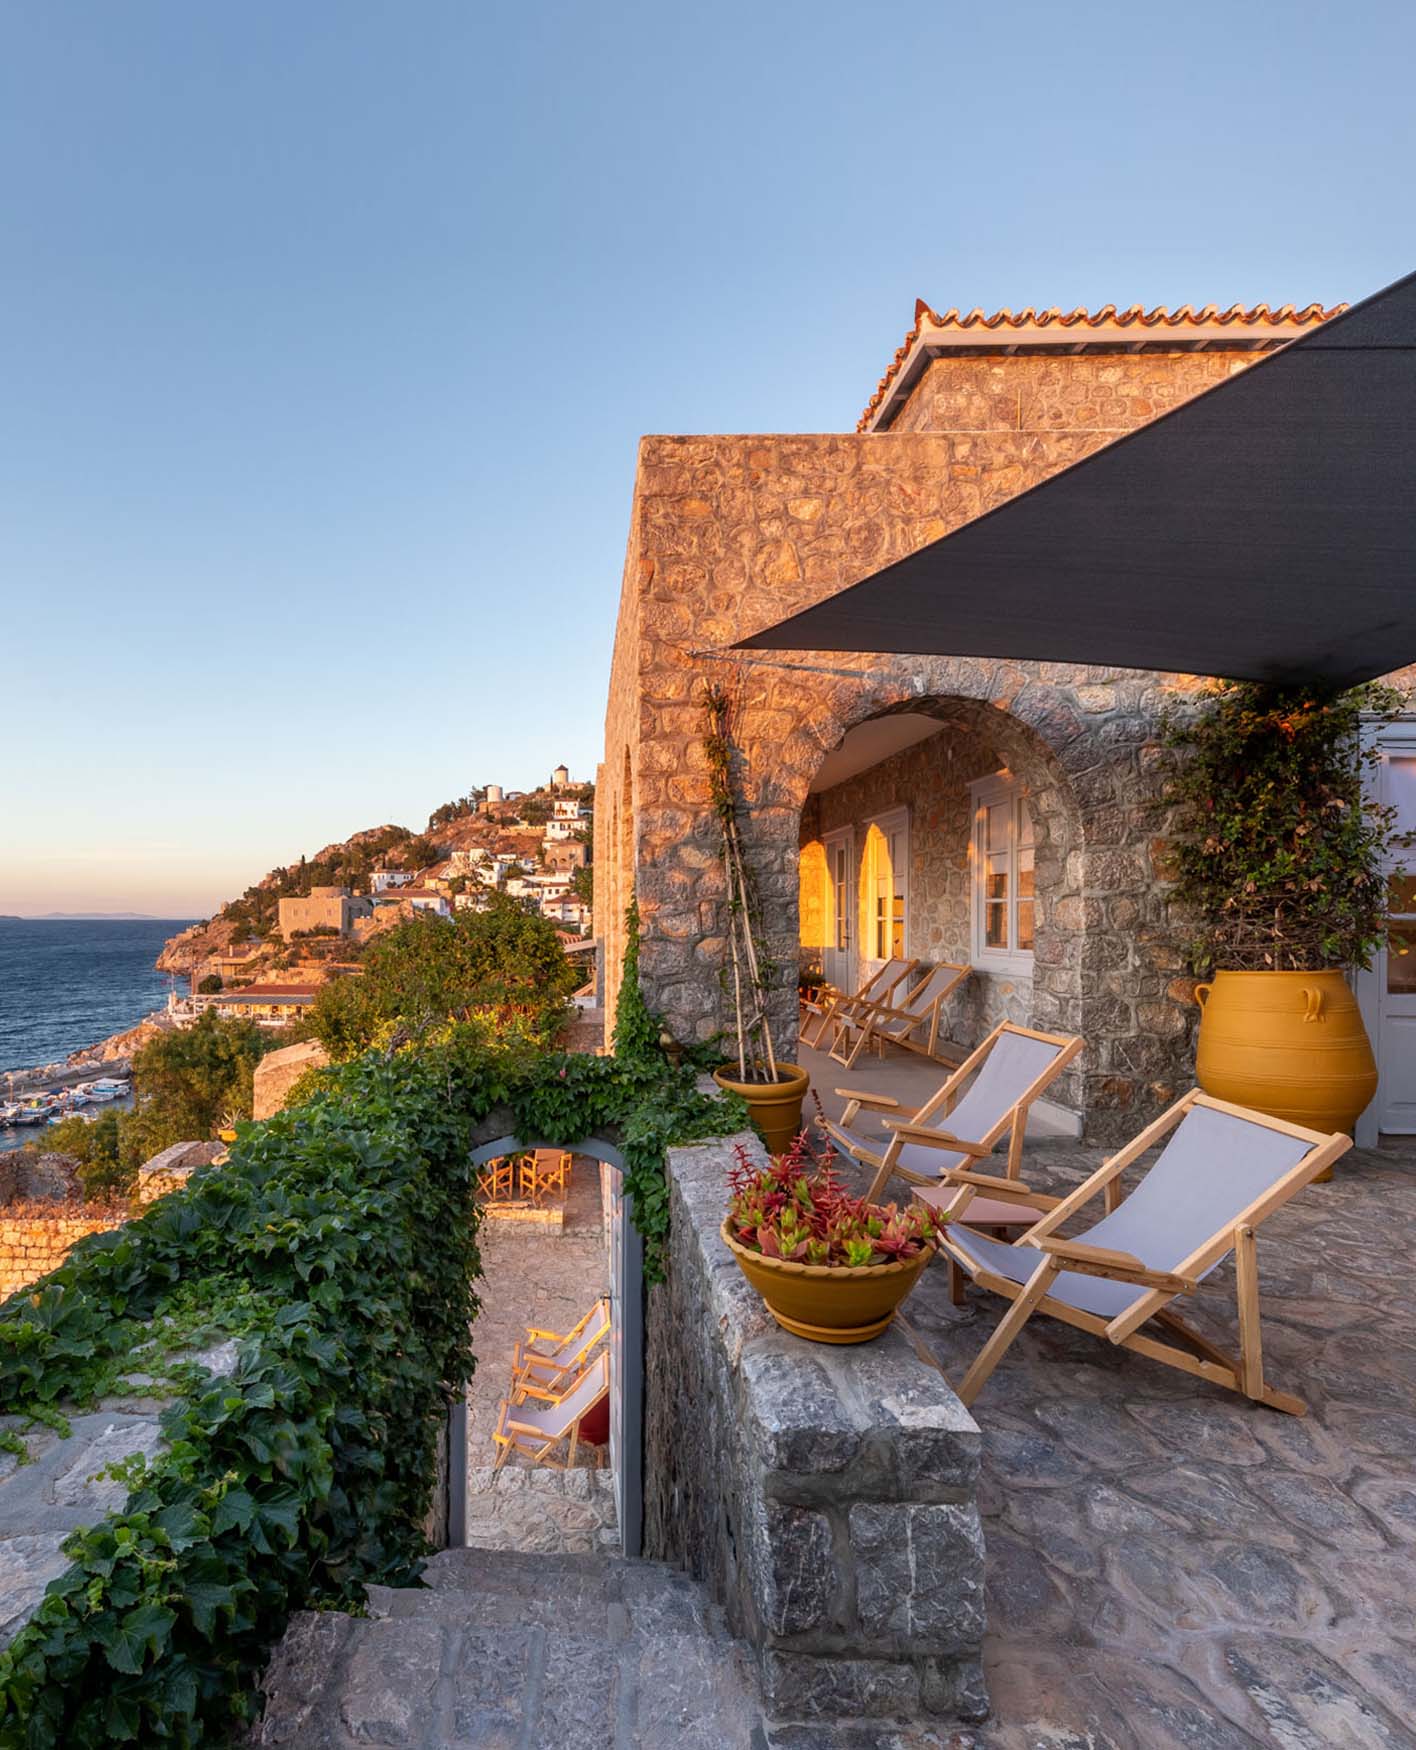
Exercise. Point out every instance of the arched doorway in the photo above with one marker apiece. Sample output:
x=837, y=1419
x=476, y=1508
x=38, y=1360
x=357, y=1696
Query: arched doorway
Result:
x=626, y=1344
x=945, y=829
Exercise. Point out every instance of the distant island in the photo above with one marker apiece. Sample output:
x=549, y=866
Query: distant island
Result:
x=86, y=917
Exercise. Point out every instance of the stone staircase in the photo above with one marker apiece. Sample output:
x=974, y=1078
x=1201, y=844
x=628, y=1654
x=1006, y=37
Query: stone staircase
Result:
x=503, y=1650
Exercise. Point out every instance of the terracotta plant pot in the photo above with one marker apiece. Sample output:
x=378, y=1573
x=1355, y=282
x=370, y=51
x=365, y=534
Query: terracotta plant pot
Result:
x=829, y=1303
x=1288, y=1043
x=775, y=1106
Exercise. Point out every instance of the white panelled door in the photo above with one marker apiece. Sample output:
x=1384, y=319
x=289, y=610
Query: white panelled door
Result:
x=1396, y=966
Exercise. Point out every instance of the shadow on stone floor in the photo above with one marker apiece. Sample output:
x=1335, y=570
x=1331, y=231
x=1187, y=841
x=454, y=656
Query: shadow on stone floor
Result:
x=1169, y=1565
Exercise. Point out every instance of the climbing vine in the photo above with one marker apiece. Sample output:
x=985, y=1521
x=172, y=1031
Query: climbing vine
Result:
x=337, y=1248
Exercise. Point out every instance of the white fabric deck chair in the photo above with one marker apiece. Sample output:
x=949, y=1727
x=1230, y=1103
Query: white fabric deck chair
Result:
x=911, y=1020
x=1223, y=1172
x=537, y=1428
x=878, y=988
x=547, y=1356
x=990, y=1092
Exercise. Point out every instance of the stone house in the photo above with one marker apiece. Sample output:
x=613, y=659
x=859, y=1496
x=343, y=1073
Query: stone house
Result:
x=998, y=813
x=323, y=908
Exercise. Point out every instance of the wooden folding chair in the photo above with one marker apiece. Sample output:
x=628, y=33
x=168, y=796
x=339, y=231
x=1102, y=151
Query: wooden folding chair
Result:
x=534, y=1421
x=542, y=1172
x=1224, y=1171
x=545, y=1357
x=991, y=1091
x=913, y=1021
x=496, y=1179
x=832, y=1003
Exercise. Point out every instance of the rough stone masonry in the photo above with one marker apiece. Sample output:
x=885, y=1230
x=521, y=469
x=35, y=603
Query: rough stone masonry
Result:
x=826, y=1495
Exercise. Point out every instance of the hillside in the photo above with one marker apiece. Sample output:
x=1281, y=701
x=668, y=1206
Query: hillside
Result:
x=514, y=826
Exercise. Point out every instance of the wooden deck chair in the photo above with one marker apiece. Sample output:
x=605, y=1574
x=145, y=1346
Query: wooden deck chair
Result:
x=878, y=988
x=550, y=1355
x=544, y=1171
x=898, y=1022
x=535, y=1422
x=495, y=1179
x=990, y=1092
x=1223, y=1172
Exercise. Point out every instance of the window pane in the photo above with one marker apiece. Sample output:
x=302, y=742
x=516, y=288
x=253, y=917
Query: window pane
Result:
x=1025, y=825
x=1401, y=787
x=1401, y=895
x=995, y=880
x=1025, y=875
x=997, y=828
x=995, y=925
x=1401, y=960
x=1025, y=925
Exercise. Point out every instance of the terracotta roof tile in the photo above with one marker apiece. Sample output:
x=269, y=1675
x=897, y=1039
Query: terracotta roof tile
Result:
x=1107, y=320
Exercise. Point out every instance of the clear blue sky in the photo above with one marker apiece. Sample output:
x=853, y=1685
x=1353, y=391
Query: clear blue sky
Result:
x=329, y=330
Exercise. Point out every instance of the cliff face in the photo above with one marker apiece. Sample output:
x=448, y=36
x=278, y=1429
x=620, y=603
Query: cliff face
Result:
x=184, y=952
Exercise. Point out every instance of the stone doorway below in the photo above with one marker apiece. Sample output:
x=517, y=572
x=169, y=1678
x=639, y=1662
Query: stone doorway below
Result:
x=543, y=1276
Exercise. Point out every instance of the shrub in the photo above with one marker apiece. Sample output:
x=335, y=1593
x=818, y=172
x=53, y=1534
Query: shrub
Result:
x=1280, y=856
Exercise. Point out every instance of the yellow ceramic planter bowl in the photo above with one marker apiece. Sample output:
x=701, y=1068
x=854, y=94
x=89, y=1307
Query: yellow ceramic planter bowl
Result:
x=826, y=1303
x=1288, y=1043
x=775, y=1106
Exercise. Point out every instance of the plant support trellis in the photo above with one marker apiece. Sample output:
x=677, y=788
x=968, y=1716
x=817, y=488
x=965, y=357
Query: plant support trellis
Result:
x=748, y=972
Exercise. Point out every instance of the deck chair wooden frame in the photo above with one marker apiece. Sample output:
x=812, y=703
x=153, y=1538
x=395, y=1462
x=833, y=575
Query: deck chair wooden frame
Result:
x=543, y=1171
x=496, y=1179
x=528, y=1422
x=896, y=1023
x=547, y=1356
x=879, y=987
x=1200, y=1357
x=919, y=1126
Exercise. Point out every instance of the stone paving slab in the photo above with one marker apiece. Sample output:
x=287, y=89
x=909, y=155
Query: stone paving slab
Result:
x=1169, y=1565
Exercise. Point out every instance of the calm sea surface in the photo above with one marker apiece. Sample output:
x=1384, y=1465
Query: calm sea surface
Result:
x=67, y=985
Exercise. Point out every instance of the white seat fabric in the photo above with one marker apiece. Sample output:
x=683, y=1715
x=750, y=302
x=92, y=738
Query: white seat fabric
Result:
x=553, y=1419
x=1005, y=1075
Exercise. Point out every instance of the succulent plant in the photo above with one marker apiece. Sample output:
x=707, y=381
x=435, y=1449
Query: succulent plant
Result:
x=796, y=1209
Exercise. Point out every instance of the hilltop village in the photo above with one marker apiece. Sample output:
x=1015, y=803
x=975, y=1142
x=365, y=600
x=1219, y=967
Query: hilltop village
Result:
x=263, y=957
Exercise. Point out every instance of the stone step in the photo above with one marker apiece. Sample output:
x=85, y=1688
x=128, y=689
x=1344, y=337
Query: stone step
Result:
x=504, y=1651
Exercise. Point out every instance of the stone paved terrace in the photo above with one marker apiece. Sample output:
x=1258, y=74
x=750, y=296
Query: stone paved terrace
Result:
x=546, y=1277
x=1170, y=1566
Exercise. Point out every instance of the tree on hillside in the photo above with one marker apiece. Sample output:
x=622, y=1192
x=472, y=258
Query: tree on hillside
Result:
x=582, y=883
x=186, y=1084
x=420, y=851
x=502, y=966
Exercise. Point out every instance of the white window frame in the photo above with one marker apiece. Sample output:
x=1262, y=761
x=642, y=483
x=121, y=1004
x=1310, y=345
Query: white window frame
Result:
x=986, y=793
x=893, y=821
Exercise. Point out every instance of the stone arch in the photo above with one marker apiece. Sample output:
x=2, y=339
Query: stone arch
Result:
x=931, y=775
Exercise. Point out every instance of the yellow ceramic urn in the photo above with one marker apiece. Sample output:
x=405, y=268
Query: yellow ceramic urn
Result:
x=1288, y=1043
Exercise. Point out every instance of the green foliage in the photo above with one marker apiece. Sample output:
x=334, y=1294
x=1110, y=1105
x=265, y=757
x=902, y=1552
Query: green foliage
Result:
x=459, y=809
x=189, y=1083
x=502, y=967
x=637, y=1028
x=1279, y=855
x=98, y=1148
x=210, y=985
x=582, y=883
x=339, y=1245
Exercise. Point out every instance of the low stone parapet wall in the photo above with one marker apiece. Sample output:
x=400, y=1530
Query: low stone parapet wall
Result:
x=35, y=1240
x=826, y=1494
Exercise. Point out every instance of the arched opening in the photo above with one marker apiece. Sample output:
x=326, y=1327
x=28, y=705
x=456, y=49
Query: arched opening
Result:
x=620, y=1248
x=947, y=831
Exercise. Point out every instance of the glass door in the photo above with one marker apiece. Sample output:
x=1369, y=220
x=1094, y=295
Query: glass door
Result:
x=838, y=956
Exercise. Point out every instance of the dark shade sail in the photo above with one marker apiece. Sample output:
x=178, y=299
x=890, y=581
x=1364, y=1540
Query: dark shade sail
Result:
x=1265, y=530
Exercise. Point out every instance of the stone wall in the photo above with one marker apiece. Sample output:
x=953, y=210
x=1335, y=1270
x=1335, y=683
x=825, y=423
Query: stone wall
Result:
x=731, y=533
x=824, y=1494
x=277, y=1073
x=35, y=1240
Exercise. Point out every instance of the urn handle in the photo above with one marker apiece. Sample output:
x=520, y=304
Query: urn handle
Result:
x=1201, y=992
x=1314, y=996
